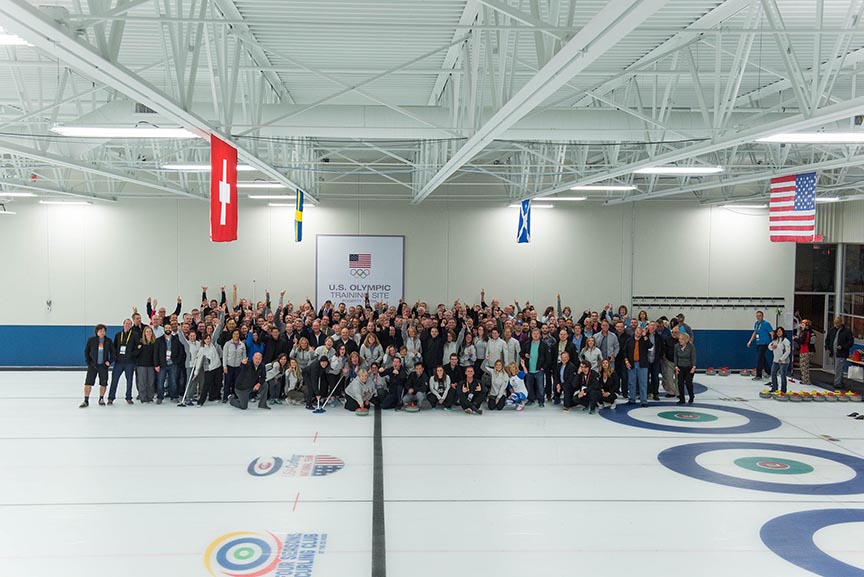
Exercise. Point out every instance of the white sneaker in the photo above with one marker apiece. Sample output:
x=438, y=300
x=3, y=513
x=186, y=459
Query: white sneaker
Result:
x=612, y=406
x=520, y=407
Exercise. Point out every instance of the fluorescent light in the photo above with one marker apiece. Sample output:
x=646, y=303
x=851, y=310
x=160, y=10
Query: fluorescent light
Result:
x=573, y=198
x=269, y=196
x=828, y=199
x=4, y=194
x=7, y=39
x=745, y=206
x=260, y=185
x=534, y=205
x=674, y=170
x=67, y=202
x=291, y=205
x=623, y=187
x=202, y=167
x=816, y=138
x=122, y=132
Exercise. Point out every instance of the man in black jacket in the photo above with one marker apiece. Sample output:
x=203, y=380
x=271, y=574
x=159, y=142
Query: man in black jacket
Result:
x=397, y=377
x=432, y=345
x=98, y=354
x=252, y=378
x=563, y=343
x=655, y=356
x=125, y=342
x=565, y=380
x=838, y=343
x=315, y=379
x=589, y=392
x=535, y=355
x=471, y=393
x=275, y=344
x=169, y=359
x=453, y=370
x=636, y=354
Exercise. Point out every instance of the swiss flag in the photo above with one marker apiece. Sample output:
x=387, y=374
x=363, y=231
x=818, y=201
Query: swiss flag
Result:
x=223, y=190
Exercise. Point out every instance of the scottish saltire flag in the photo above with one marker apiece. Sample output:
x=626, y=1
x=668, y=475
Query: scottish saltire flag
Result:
x=524, y=233
x=298, y=217
x=792, y=211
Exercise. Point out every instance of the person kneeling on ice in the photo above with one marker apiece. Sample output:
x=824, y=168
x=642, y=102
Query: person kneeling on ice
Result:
x=516, y=388
x=397, y=379
x=416, y=387
x=358, y=394
x=252, y=378
x=471, y=393
x=589, y=392
x=498, y=385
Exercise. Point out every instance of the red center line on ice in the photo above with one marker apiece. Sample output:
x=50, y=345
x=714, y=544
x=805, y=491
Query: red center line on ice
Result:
x=296, y=499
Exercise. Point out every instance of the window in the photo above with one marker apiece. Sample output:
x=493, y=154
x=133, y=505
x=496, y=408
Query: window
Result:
x=815, y=266
x=853, y=290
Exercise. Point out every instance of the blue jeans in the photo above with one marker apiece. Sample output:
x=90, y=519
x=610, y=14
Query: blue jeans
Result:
x=779, y=369
x=534, y=383
x=171, y=374
x=638, y=375
x=127, y=369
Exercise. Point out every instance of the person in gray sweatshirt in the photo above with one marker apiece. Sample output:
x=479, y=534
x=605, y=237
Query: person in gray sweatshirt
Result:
x=685, y=366
x=512, y=348
x=495, y=348
x=233, y=353
x=453, y=344
x=358, y=395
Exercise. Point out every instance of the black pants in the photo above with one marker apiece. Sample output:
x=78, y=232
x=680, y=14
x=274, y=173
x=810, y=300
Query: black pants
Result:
x=447, y=402
x=621, y=372
x=473, y=401
x=230, y=379
x=212, y=383
x=316, y=388
x=685, y=379
x=241, y=400
x=568, y=392
x=496, y=404
x=351, y=404
x=607, y=400
x=654, y=378
x=592, y=398
x=762, y=363
x=274, y=387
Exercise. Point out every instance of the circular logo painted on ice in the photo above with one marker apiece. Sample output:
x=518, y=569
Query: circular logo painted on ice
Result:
x=756, y=422
x=243, y=554
x=774, y=466
x=690, y=416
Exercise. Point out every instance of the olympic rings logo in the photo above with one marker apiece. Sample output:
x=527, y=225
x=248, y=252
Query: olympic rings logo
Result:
x=360, y=272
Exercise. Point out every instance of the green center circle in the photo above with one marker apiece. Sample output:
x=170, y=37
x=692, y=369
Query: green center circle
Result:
x=687, y=416
x=243, y=553
x=774, y=466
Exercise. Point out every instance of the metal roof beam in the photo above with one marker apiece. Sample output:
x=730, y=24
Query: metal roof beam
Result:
x=614, y=21
x=32, y=25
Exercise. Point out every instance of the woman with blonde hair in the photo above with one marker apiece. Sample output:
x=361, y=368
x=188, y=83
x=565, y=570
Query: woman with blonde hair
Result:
x=303, y=353
x=500, y=378
x=592, y=354
x=295, y=394
x=145, y=363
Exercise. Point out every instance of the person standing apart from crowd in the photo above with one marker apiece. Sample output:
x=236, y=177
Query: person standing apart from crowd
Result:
x=145, y=363
x=838, y=343
x=806, y=342
x=782, y=350
x=762, y=335
x=98, y=353
x=685, y=366
x=125, y=342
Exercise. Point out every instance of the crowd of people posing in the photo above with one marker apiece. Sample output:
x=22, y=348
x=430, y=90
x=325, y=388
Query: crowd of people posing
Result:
x=472, y=358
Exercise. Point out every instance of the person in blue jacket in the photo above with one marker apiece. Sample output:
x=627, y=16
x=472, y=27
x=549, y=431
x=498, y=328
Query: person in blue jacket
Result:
x=763, y=334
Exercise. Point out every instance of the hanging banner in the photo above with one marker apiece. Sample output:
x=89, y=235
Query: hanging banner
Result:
x=523, y=234
x=347, y=267
x=298, y=217
x=223, y=190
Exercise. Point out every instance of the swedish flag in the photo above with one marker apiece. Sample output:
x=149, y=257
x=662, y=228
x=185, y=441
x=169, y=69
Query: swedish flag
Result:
x=298, y=217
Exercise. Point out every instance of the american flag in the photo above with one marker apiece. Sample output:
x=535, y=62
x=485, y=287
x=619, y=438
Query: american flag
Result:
x=360, y=260
x=793, y=208
x=326, y=464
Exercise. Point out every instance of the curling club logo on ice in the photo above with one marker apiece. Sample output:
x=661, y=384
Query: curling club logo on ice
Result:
x=295, y=466
x=247, y=554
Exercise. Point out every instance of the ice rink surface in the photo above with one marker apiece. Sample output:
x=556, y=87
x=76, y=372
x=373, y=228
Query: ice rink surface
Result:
x=732, y=485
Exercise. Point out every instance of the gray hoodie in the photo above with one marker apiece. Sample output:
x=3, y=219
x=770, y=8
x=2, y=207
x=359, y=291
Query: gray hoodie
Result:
x=360, y=391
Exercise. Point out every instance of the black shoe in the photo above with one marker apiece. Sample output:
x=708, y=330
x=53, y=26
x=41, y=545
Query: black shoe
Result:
x=130, y=402
x=264, y=407
x=852, y=415
x=84, y=405
x=310, y=407
x=480, y=411
x=859, y=418
x=670, y=396
x=690, y=402
x=644, y=404
x=680, y=402
x=101, y=402
x=224, y=401
x=655, y=397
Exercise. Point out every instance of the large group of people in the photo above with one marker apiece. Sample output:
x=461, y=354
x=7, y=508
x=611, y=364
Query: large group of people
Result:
x=398, y=356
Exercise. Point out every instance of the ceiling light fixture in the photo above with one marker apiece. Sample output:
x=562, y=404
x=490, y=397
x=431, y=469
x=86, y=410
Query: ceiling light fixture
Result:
x=745, y=206
x=202, y=167
x=533, y=205
x=7, y=39
x=680, y=170
x=572, y=198
x=815, y=138
x=67, y=202
x=269, y=197
x=289, y=204
x=260, y=185
x=115, y=132
x=828, y=199
x=612, y=187
x=5, y=194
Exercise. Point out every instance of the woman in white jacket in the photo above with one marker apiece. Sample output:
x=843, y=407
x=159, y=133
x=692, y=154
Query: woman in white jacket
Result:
x=412, y=346
x=782, y=349
x=295, y=393
x=592, y=354
x=275, y=379
x=498, y=388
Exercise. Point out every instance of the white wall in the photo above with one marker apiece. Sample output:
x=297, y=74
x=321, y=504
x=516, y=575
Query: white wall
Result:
x=95, y=262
